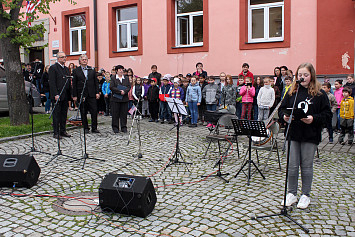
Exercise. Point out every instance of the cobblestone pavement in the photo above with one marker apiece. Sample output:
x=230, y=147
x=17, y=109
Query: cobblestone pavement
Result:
x=207, y=208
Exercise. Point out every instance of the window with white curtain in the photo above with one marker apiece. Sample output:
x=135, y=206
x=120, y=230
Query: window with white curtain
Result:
x=77, y=34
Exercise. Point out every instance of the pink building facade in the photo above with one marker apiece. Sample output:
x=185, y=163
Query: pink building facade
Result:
x=176, y=34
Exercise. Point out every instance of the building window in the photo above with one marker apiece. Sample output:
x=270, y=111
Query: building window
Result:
x=77, y=34
x=265, y=21
x=189, y=23
x=127, y=29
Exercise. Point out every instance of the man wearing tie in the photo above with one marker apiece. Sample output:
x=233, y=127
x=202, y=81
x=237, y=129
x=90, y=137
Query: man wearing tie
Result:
x=90, y=94
x=59, y=82
x=120, y=87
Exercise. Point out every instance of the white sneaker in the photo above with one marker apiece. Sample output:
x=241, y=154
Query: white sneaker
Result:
x=290, y=199
x=303, y=202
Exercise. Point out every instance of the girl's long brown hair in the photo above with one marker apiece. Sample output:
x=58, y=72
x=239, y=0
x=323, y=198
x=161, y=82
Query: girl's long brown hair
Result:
x=314, y=86
x=231, y=79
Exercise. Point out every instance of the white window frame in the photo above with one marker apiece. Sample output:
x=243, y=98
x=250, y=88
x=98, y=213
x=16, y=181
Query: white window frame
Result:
x=79, y=29
x=190, y=32
x=128, y=23
x=266, y=8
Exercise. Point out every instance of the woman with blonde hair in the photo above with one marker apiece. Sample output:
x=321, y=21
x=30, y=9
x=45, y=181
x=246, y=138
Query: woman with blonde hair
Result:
x=304, y=133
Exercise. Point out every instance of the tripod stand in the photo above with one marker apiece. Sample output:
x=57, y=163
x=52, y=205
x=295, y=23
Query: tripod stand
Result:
x=178, y=107
x=82, y=101
x=59, y=152
x=249, y=128
x=284, y=211
x=137, y=120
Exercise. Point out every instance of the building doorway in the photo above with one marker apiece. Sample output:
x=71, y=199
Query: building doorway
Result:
x=36, y=52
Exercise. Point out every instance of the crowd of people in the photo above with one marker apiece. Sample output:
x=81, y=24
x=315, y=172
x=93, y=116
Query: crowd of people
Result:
x=251, y=97
x=119, y=92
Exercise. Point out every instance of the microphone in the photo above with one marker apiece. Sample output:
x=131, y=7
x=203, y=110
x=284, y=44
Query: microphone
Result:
x=67, y=76
x=300, y=80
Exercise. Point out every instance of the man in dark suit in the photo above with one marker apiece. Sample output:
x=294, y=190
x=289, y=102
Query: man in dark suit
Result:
x=90, y=94
x=120, y=87
x=59, y=81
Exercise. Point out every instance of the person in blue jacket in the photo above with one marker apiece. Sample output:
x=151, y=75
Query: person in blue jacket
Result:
x=193, y=98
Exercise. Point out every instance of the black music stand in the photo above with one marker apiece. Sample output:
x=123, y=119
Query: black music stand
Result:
x=178, y=107
x=249, y=128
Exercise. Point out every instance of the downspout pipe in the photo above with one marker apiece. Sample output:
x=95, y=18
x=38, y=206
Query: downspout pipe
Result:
x=95, y=36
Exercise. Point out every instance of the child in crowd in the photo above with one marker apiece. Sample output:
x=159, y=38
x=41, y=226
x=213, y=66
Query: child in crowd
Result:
x=202, y=106
x=229, y=94
x=265, y=100
x=288, y=82
x=107, y=93
x=188, y=77
x=247, y=92
x=101, y=106
x=338, y=93
x=165, y=112
x=221, y=84
x=155, y=74
x=138, y=93
x=185, y=84
x=193, y=98
x=258, y=83
x=333, y=107
x=277, y=94
x=145, y=104
x=347, y=116
x=199, y=70
x=246, y=73
x=211, y=95
x=153, y=100
x=178, y=93
x=132, y=82
x=239, y=97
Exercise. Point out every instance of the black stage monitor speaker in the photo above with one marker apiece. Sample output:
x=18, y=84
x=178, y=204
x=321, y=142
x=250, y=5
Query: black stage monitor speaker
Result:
x=18, y=171
x=125, y=194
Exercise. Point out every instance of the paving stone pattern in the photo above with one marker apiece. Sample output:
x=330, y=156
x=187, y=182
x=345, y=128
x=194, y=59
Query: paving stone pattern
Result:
x=207, y=208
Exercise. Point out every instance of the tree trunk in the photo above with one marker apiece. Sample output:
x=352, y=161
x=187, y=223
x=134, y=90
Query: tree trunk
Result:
x=16, y=95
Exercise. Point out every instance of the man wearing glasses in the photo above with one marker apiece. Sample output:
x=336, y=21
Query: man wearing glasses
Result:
x=90, y=94
x=58, y=76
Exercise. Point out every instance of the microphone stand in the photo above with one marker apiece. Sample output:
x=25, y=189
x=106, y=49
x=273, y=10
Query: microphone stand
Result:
x=284, y=211
x=82, y=100
x=33, y=149
x=135, y=118
x=59, y=152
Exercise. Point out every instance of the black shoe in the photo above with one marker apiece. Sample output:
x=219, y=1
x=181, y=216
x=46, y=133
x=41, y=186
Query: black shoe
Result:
x=191, y=125
x=162, y=122
x=116, y=131
x=56, y=136
x=151, y=120
x=350, y=142
x=95, y=131
x=124, y=130
x=65, y=134
x=87, y=130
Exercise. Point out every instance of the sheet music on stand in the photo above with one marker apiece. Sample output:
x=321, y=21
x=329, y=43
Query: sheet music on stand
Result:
x=176, y=106
x=249, y=127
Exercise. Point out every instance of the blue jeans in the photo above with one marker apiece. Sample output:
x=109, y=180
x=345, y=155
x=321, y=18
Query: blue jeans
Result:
x=255, y=112
x=211, y=107
x=164, y=111
x=194, y=112
x=47, y=106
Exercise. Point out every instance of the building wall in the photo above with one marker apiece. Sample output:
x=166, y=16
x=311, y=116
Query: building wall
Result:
x=224, y=52
x=335, y=37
